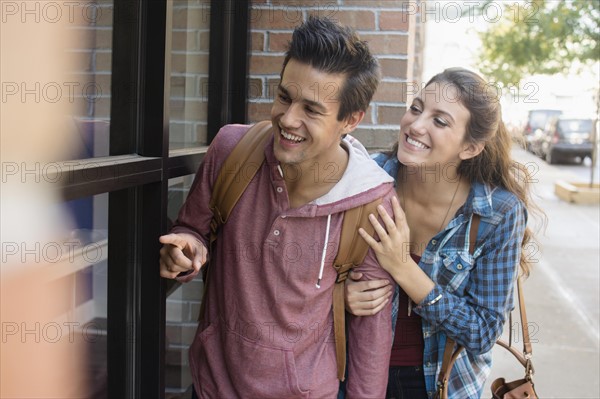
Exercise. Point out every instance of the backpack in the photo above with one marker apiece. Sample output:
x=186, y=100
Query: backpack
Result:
x=235, y=174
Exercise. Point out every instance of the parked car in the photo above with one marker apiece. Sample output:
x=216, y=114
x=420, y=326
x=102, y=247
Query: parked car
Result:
x=536, y=121
x=566, y=138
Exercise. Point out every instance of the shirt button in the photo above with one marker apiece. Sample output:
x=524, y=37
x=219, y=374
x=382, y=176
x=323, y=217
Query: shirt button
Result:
x=283, y=216
x=280, y=189
x=276, y=232
x=428, y=364
x=426, y=335
x=459, y=266
x=433, y=242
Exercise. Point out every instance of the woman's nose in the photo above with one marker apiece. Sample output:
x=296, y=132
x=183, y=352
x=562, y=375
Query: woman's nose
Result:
x=419, y=125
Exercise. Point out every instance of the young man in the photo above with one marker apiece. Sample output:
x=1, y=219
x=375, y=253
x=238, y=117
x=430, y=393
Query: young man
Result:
x=267, y=329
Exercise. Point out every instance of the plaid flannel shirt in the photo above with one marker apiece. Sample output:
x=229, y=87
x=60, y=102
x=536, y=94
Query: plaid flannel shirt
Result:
x=473, y=293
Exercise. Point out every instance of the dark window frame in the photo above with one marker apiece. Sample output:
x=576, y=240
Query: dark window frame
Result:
x=137, y=172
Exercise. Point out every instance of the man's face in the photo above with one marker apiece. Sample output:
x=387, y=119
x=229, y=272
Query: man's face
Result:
x=304, y=116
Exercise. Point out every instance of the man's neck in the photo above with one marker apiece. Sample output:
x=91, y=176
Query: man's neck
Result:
x=309, y=181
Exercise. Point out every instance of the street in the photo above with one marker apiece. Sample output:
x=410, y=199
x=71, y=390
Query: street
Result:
x=562, y=294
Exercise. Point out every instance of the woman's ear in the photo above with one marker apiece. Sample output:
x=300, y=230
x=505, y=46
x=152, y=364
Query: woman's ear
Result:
x=471, y=150
x=352, y=121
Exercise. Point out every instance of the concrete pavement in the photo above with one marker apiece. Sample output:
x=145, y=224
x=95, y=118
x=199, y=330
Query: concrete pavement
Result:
x=562, y=295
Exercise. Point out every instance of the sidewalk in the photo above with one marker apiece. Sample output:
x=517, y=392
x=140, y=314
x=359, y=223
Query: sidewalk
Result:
x=561, y=296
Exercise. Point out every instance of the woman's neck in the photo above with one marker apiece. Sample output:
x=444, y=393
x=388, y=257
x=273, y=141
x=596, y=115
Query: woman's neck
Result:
x=430, y=187
x=429, y=204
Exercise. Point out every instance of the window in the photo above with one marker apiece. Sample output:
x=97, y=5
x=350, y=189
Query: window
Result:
x=89, y=85
x=142, y=137
x=189, y=74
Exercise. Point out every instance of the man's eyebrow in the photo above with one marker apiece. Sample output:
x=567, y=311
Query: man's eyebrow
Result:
x=312, y=103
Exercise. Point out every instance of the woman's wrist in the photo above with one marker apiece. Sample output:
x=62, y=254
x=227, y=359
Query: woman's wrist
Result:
x=413, y=280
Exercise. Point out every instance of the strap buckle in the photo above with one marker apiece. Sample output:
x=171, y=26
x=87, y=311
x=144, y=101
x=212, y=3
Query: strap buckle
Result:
x=216, y=221
x=342, y=272
x=529, y=370
x=441, y=386
x=217, y=215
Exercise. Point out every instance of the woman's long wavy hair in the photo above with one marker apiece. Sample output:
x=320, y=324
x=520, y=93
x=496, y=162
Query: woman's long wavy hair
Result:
x=494, y=165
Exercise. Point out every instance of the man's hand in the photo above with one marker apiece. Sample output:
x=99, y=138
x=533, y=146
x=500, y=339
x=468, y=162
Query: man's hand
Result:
x=181, y=253
x=365, y=298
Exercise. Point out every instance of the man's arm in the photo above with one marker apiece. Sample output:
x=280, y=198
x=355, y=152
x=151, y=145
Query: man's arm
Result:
x=185, y=248
x=370, y=339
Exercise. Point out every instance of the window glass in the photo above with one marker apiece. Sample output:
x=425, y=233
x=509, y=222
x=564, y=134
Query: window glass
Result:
x=182, y=309
x=83, y=268
x=54, y=298
x=89, y=84
x=189, y=74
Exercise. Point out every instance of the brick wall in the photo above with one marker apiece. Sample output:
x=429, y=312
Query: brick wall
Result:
x=91, y=22
x=88, y=84
x=189, y=73
x=391, y=27
x=392, y=30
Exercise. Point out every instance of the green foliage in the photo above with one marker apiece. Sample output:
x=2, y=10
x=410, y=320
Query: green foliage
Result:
x=540, y=37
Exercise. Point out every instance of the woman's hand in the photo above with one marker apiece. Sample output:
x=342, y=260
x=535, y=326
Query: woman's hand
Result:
x=393, y=248
x=366, y=298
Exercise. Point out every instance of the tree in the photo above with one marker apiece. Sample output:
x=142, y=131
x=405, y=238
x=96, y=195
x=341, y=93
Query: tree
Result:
x=539, y=37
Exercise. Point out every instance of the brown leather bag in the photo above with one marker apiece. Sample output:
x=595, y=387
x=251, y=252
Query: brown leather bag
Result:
x=238, y=169
x=518, y=389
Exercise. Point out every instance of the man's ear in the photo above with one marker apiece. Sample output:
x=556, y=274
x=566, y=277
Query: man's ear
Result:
x=471, y=150
x=352, y=121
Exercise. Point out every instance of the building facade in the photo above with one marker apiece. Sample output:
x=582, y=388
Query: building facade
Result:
x=153, y=83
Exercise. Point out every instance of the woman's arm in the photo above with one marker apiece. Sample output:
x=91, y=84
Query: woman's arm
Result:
x=476, y=317
x=365, y=298
x=393, y=252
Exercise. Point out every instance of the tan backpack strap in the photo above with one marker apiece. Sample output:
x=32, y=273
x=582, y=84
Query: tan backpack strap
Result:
x=351, y=252
x=237, y=172
x=451, y=354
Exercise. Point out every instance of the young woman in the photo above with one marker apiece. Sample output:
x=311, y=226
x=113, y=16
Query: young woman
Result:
x=452, y=161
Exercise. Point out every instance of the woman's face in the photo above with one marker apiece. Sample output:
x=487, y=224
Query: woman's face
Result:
x=432, y=131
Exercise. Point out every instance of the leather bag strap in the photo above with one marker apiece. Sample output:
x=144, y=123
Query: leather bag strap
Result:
x=237, y=171
x=450, y=356
x=450, y=353
x=525, y=357
x=351, y=253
